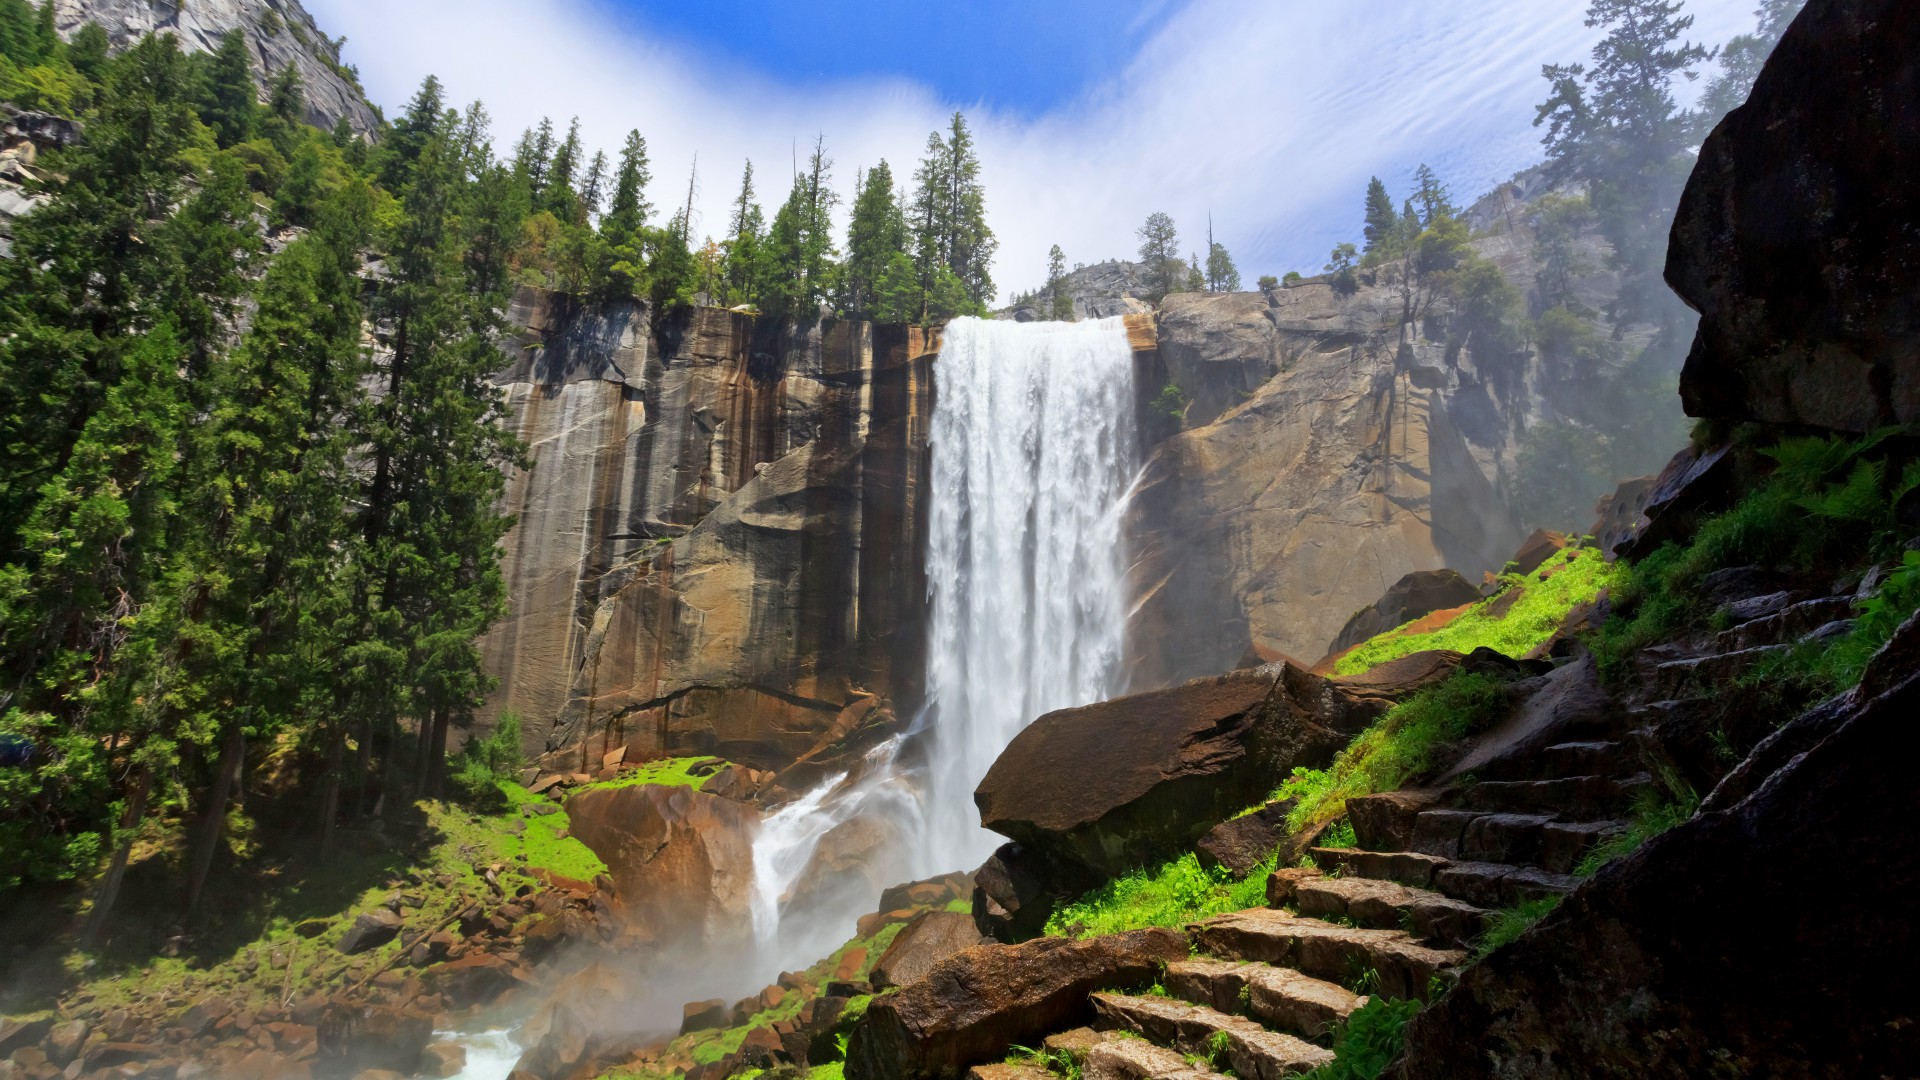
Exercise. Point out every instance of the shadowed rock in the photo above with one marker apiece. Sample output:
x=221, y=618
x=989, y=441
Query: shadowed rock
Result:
x=1795, y=237
x=1419, y=594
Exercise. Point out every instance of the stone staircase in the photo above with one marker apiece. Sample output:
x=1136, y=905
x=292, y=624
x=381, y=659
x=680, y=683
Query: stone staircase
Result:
x=1268, y=989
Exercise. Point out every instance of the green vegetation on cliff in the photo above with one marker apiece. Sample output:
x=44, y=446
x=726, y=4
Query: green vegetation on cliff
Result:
x=1171, y=895
x=1523, y=615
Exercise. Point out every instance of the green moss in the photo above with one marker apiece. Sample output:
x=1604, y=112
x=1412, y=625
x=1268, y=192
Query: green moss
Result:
x=961, y=906
x=832, y=1070
x=1398, y=747
x=1171, y=895
x=666, y=772
x=1571, y=578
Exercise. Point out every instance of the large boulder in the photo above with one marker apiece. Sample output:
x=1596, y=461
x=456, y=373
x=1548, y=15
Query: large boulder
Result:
x=1112, y=786
x=973, y=1006
x=1769, y=935
x=1414, y=596
x=353, y=1038
x=931, y=937
x=1795, y=239
x=681, y=860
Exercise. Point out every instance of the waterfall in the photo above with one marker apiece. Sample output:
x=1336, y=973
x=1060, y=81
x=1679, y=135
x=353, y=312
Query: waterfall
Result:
x=1033, y=456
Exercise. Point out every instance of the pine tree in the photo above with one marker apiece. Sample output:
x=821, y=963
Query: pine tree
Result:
x=1432, y=197
x=629, y=209
x=230, y=97
x=87, y=52
x=1383, y=224
x=951, y=236
x=1160, y=264
x=1742, y=57
x=745, y=234
x=592, y=189
x=799, y=246
x=876, y=234
x=561, y=197
x=1222, y=274
x=1061, y=301
x=533, y=155
x=408, y=139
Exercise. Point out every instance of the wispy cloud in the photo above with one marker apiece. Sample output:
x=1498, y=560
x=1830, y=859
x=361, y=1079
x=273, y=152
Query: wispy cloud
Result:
x=1267, y=114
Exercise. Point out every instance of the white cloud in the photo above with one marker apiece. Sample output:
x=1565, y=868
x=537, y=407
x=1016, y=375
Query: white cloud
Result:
x=1270, y=114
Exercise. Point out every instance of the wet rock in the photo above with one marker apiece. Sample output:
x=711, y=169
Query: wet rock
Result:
x=353, y=1038
x=1240, y=844
x=1151, y=773
x=1669, y=962
x=930, y=938
x=1418, y=594
x=15, y=1033
x=64, y=1040
x=370, y=931
x=1794, y=238
x=443, y=1059
x=971, y=1007
x=474, y=979
x=703, y=1015
x=681, y=861
x=1693, y=486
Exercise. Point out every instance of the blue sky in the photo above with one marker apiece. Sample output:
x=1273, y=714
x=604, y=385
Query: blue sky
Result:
x=1268, y=115
x=1016, y=55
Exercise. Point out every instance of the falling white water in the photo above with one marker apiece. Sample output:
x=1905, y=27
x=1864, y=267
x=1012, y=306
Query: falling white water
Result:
x=1033, y=456
x=491, y=1055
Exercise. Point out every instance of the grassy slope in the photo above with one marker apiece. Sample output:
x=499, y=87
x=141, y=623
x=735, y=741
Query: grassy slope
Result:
x=1573, y=577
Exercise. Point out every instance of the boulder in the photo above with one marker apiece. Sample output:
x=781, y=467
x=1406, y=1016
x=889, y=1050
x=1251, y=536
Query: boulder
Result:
x=1681, y=960
x=1015, y=890
x=64, y=1040
x=931, y=937
x=1795, y=239
x=474, y=979
x=1693, y=486
x=1418, y=594
x=370, y=931
x=681, y=861
x=353, y=1038
x=1108, y=787
x=1536, y=549
x=1240, y=844
x=975, y=1005
x=443, y=1059
x=704, y=1016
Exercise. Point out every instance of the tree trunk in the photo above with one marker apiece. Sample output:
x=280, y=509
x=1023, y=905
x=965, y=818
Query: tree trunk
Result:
x=437, y=753
x=213, y=816
x=330, y=801
x=117, y=871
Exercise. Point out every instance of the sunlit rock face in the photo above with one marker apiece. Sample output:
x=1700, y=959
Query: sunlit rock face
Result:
x=1262, y=531
x=717, y=543
x=278, y=33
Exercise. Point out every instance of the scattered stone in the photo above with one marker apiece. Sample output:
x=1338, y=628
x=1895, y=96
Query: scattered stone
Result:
x=1240, y=844
x=370, y=931
x=64, y=1040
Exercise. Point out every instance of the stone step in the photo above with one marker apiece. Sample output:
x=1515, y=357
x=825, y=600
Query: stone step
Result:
x=1251, y=1051
x=1281, y=998
x=1009, y=1071
x=1486, y=885
x=1530, y=839
x=1428, y=916
x=1575, y=798
x=1603, y=758
x=1138, y=1059
x=1077, y=1043
x=1403, y=967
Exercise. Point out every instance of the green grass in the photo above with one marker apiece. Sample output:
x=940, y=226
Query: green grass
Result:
x=1398, y=747
x=666, y=772
x=1573, y=577
x=1654, y=812
x=1170, y=895
x=1509, y=923
x=1374, y=1035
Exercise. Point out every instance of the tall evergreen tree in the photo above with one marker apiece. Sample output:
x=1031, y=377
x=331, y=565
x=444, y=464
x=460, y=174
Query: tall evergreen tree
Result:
x=629, y=209
x=799, y=246
x=742, y=258
x=1059, y=299
x=593, y=187
x=950, y=224
x=230, y=102
x=408, y=139
x=1160, y=263
x=877, y=233
x=1383, y=222
x=561, y=197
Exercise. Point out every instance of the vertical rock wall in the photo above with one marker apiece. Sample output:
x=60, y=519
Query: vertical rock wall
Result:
x=718, y=540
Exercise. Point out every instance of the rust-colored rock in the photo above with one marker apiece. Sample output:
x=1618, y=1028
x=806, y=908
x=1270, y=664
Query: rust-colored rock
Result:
x=971, y=1007
x=681, y=861
x=1112, y=786
x=931, y=937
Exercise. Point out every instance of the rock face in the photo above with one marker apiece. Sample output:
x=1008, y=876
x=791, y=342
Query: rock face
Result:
x=1680, y=960
x=930, y=938
x=1108, y=787
x=1415, y=596
x=1356, y=464
x=717, y=545
x=1795, y=237
x=1099, y=291
x=681, y=860
x=278, y=32
x=971, y=1007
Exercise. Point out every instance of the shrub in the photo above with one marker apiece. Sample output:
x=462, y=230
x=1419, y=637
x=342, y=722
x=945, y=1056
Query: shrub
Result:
x=1510, y=923
x=1171, y=895
x=483, y=764
x=1373, y=1037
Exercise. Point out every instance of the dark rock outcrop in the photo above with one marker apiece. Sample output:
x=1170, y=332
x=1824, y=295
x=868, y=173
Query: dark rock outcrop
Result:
x=1240, y=844
x=370, y=931
x=971, y=1007
x=1419, y=594
x=1795, y=237
x=1015, y=890
x=1108, y=787
x=1687, y=959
